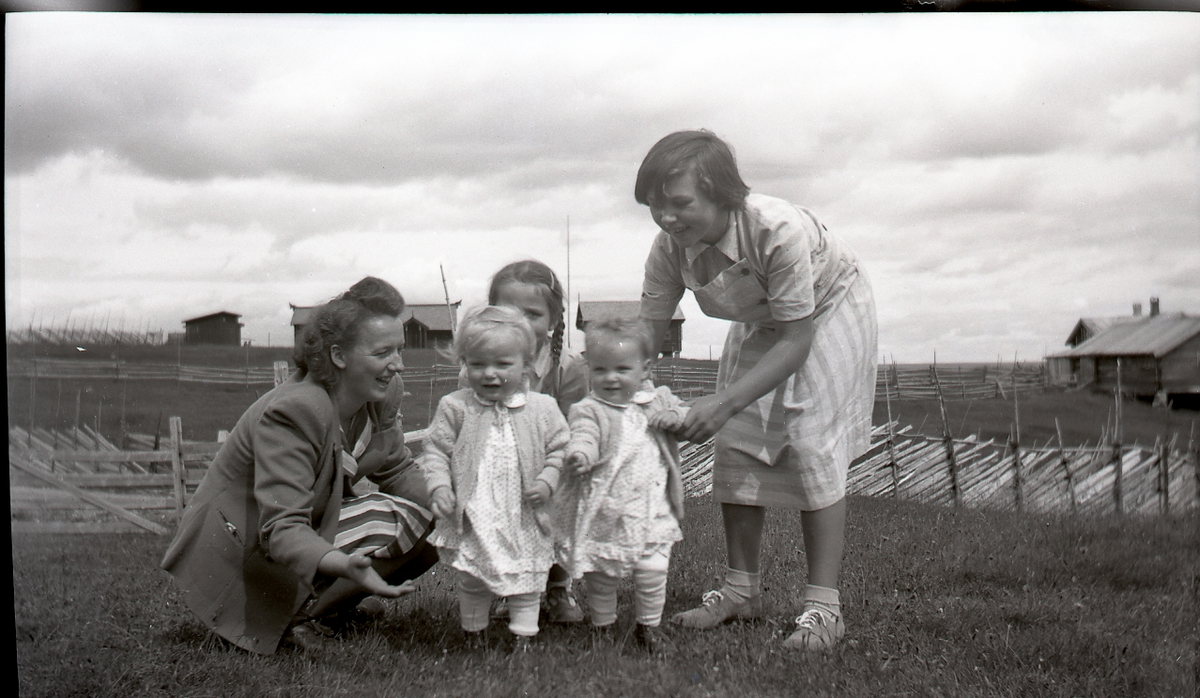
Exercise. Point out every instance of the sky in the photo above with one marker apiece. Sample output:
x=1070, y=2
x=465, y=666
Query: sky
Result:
x=999, y=175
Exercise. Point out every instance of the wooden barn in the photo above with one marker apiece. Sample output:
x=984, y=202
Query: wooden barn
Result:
x=591, y=310
x=301, y=314
x=217, y=328
x=425, y=326
x=430, y=326
x=1158, y=353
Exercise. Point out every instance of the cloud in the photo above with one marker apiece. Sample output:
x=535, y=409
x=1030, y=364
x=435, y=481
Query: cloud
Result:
x=998, y=178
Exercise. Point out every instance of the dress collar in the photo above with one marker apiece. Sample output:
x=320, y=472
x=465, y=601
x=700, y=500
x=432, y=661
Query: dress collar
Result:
x=727, y=245
x=641, y=397
x=512, y=402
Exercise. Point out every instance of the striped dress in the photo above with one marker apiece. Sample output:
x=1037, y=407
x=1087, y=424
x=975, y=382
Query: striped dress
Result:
x=793, y=446
x=377, y=524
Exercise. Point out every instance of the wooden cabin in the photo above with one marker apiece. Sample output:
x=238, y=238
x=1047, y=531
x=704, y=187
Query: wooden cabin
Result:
x=217, y=328
x=1158, y=353
x=591, y=310
x=428, y=326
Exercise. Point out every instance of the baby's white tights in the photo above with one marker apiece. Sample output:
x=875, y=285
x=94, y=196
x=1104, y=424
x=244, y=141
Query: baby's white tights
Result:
x=649, y=591
x=475, y=602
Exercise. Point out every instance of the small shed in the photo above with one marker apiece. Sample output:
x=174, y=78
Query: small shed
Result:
x=217, y=328
x=1159, y=353
x=301, y=314
x=425, y=326
x=430, y=326
x=592, y=310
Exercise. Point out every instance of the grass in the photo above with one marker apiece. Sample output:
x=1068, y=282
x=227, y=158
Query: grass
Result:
x=938, y=602
x=1082, y=415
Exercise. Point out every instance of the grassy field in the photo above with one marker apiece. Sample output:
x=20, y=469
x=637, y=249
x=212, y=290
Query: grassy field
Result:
x=938, y=603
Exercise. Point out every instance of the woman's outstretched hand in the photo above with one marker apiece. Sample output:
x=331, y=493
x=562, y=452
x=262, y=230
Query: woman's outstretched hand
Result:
x=358, y=568
x=705, y=418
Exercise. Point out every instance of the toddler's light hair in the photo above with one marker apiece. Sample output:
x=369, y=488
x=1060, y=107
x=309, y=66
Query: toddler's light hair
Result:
x=481, y=322
x=616, y=329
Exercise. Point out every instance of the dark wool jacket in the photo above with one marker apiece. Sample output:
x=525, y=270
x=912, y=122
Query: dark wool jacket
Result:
x=250, y=539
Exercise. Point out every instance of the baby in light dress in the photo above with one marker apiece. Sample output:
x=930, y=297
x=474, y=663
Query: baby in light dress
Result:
x=631, y=492
x=493, y=458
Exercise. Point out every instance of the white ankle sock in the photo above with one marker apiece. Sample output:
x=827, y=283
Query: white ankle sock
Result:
x=741, y=585
x=823, y=596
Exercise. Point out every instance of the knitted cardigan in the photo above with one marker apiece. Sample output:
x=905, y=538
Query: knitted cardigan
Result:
x=458, y=435
x=596, y=432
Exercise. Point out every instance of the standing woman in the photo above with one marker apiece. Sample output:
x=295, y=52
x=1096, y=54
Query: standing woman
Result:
x=796, y=382
x=274, y=540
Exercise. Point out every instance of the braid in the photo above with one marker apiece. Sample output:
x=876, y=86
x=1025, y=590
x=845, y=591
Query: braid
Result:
x=556, y=343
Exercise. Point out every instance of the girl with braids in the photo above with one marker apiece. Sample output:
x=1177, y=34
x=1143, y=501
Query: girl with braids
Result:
x=532, y=288
x=274, y=541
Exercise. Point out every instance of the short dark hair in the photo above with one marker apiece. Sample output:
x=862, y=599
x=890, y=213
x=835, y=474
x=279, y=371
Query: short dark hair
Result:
x=340, y=322
x=716, y=168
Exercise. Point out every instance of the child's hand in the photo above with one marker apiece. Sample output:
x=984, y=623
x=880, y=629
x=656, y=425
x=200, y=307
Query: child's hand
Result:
x=577, y=462
x=443, y=502
x=538, y=494
x=665, y=420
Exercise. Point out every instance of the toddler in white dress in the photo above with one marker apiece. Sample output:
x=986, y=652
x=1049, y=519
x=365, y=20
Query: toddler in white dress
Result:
x=492, y=458
x=631, y=497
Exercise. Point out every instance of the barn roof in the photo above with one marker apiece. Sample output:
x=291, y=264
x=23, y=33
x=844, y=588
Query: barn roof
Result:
x=1156, y=336
x=433, y=315
x=590, y=310
x=301, y=314
x=1088, y=327
x=224, y=313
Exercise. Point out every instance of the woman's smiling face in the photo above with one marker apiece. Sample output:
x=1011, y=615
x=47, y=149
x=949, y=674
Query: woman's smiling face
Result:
x=368, y=366
x=686, y=213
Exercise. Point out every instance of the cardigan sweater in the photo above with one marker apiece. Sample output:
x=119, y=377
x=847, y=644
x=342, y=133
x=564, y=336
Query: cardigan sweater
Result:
x=458, y=434
x=596, y=432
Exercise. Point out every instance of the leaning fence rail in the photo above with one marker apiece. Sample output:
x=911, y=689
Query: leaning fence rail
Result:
x=1163, y=479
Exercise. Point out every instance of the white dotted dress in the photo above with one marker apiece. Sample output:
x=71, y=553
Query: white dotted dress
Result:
x=501, y=543
x=626, y=513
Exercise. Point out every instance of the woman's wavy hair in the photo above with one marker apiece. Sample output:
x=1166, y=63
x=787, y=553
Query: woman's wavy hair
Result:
x=487, y=321
x=340, y=322
x=535, y=273
x=716, y=168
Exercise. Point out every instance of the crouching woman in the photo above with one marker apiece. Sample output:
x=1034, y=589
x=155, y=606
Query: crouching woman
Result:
x=274, y=540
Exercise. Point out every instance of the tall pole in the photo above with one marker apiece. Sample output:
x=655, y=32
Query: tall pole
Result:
x=446, y=291
x=568, y=308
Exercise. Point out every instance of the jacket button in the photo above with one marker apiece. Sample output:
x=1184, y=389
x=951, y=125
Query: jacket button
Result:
x=762, y=301
x=745, y=272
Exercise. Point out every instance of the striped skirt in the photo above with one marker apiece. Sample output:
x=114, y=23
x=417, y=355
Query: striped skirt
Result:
x=793, y=446
x=381, y=525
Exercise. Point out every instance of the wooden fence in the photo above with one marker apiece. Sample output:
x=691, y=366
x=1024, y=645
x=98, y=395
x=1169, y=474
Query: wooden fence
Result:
x=1163, y=479
x=688, y=381
x=59, y=489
